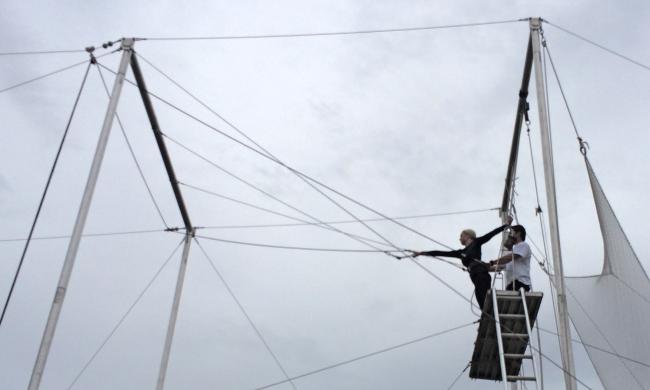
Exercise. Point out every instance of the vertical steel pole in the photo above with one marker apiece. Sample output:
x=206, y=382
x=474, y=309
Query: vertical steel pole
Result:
x=73, y=246
x=162, y=373
x=564, y=330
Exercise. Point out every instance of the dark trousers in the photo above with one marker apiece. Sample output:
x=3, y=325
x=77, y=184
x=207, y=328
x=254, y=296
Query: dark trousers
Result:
x=482, y=282
x=516, y=285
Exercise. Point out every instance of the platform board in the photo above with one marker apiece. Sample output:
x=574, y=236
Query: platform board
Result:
x=485, y=359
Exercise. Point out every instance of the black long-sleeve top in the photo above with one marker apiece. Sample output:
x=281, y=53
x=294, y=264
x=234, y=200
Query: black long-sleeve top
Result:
x=471, y=254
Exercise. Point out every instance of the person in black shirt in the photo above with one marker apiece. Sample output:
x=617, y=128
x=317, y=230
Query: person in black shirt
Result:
x=470, y=256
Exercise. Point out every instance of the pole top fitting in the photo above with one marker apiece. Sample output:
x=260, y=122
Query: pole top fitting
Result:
x=536, y=23
x=127, y=43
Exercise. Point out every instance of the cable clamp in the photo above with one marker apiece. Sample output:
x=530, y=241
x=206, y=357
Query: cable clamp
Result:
x=172, y=229
x=538, y=210
x=584, y=145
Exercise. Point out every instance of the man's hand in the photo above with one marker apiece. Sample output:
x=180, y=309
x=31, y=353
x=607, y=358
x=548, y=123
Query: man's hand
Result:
x=509, y=220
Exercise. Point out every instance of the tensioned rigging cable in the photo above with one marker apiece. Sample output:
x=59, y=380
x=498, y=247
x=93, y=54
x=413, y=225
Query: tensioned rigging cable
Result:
x=559, y=84
x=302, y=248
x=598, y=45
x=321, y=224
x=245, y=313
x=86, y=235
x=88, y=49
x=44, y=194
x=123, y=317
x=348, y=221
x=20, y=84
x=367, y=355
x=266, y=193
x=451, y=386
x=20, y=53
x=247, y=204
x=135, y=160
x=334, y=33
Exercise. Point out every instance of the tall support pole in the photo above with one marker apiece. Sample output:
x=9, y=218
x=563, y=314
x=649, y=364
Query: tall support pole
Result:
x=564, y=330
x=73, y=246
x=164, y=362
x=189, y=230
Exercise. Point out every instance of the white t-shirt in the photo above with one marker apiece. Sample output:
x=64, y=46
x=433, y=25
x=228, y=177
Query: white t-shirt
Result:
x=519, y=268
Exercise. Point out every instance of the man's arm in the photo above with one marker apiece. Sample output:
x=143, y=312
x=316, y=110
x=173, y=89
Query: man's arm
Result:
x=504, y=259
x=487, y=237
x=456, y=253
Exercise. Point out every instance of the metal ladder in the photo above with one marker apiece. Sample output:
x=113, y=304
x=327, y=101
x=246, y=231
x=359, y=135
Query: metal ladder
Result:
x=508, y=339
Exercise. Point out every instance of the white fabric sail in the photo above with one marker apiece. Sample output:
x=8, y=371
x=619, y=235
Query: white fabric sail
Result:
x=611, y=311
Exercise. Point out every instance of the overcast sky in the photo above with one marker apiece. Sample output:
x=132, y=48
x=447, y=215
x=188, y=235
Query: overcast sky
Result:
x=407, y=123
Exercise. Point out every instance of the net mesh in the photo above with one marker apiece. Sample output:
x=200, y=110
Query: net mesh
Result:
x=610, y=311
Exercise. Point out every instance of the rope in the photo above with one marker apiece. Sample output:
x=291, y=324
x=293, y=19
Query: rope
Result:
x=334, y=33
x=248, y=317
x=598, y=45
x=582, y=144
x=295, y=247
x=367, y=355
x=20, y=84
x=88, y=235
x=135, y=160
x=459, y=375
x=44, y=194
x=347, y=221
x=302, y=221
x=121, y=320
x=19, y=53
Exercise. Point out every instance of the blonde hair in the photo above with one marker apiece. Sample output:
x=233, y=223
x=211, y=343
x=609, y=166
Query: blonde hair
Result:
x=471, y=233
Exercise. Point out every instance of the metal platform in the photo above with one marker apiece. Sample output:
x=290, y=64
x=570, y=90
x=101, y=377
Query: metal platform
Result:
x=485, y=362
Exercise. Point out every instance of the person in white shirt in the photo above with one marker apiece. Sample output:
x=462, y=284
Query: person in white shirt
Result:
x=517, y=263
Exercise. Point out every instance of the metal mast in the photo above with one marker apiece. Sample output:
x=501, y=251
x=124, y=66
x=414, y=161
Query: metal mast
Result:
x=73, y=246
x=189, y=230
x=564, y=330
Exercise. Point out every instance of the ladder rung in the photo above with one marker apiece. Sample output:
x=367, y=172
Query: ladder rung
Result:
x=508, y=298
x=521, y=378
x=514, y=335
x=512, y=316
x=516, y=356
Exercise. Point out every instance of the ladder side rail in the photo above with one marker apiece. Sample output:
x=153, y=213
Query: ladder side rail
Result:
x=529, y=330
x=497, y=324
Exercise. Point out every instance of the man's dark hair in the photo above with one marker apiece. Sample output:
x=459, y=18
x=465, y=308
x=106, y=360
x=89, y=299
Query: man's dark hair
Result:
x=521, y=230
